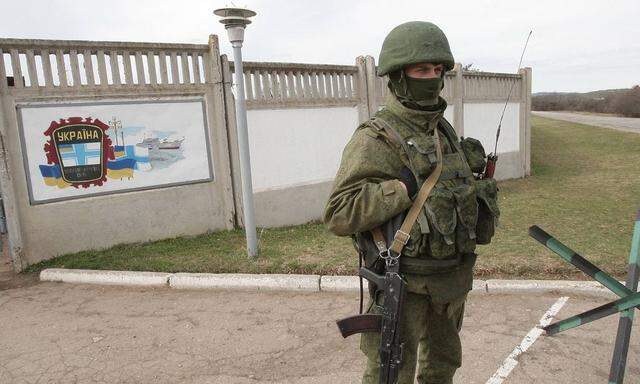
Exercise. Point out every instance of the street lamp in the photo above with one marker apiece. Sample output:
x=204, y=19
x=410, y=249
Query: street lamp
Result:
x=235, y=20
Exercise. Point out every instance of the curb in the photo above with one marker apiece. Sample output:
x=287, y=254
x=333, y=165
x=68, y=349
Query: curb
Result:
x=245, y=281
x=352, y=283
x=89, y=276
x=305, y=283
x=340, y=283
x=589, y=287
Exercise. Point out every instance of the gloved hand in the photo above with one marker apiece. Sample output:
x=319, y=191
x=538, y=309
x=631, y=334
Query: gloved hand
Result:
x=407, y=178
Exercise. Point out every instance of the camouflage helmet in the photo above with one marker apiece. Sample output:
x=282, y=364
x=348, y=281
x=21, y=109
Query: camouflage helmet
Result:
x=414, y=42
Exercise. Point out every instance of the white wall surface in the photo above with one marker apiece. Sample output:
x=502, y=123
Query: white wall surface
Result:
x=448, y=114
x=292, y=147
x=481, y=122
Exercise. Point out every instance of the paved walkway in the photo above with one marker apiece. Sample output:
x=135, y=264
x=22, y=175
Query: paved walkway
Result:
x=627, y=124
x=66, y=333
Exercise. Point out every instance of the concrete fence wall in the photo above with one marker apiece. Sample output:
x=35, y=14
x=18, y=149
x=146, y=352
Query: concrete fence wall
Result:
x=63, y=72
x=300, y=117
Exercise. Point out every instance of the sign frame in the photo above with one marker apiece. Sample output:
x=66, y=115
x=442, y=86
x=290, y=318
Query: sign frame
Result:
x=20, y=106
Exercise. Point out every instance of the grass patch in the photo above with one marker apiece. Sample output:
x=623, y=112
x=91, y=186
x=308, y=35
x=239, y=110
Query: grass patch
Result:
x=584, y=190
x=308, y=248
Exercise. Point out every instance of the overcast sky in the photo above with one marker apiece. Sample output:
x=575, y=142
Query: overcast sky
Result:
x=576, y=45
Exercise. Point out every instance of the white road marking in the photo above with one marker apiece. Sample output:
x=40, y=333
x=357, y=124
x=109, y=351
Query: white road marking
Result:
x=511, y=361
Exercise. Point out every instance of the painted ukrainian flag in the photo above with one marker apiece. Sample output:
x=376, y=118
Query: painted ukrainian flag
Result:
x=118, y=151
x=128, y=159
x=121, y=168
x=52, y=176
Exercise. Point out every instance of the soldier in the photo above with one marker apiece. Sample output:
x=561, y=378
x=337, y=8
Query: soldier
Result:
x=383, y=166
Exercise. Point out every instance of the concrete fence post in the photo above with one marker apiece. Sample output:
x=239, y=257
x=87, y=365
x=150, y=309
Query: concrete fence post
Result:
x=232, y=139
x=525, y=119
x=372, y=90
x=7, y=187
x=215, y=92
x=362, y=90
x=458, y=100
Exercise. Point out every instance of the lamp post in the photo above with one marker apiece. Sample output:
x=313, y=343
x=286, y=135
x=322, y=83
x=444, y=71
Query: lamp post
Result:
x=235, y=20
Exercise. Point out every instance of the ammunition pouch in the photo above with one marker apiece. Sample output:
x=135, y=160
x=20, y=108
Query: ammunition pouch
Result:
x=488, y=211
x=456, y=215
x=475, y=154
x=410, y=262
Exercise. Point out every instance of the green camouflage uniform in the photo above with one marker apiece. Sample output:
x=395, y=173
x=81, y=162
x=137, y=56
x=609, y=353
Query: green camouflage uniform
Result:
x=367, y=193
x=460, y=212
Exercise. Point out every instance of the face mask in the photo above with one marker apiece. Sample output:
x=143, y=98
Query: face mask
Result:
x=424, y=92
x=415, y=91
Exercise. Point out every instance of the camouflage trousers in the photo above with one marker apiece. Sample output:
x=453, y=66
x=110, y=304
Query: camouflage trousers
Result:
x=430, y=333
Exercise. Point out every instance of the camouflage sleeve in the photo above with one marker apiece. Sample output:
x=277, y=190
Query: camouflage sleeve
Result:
x=366, y=191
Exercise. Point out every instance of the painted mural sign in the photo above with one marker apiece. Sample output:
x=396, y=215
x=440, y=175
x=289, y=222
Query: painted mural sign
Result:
x=77, y=153
x=88, y=149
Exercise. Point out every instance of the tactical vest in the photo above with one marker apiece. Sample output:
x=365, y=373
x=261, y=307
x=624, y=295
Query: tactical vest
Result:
x=446, y=227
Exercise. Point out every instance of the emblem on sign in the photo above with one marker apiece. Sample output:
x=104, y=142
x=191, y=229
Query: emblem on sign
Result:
x=79, y=148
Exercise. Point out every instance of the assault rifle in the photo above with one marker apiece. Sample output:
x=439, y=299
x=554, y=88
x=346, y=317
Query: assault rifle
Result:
x=393, y=288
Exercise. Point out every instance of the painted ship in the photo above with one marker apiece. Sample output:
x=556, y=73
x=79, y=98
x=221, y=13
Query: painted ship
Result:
x=152, y=143
x=170, y=144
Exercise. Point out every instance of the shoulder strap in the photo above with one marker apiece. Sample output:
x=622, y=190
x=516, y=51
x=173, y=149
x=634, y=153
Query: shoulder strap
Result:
x=382, y=125
x=451, y=134
x=394, y=137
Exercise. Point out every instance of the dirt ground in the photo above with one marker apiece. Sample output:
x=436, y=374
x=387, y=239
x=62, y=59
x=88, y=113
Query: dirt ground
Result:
x=64, y=333
x=8, y=279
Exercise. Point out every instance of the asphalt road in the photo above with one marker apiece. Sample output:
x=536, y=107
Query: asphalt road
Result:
x=627, y=124
x=64, y=333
